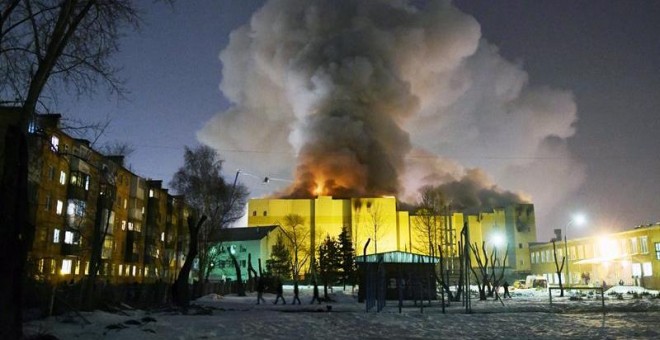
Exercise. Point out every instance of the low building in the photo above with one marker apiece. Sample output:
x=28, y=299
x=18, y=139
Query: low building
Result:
x=397, y=275
x=246, y=244
x=631, y=257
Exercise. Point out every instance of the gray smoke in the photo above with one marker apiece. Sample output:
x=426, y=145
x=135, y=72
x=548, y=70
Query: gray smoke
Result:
x=360, y=98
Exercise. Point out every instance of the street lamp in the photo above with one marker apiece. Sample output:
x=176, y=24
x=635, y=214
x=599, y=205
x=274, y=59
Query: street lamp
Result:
x=578, y=220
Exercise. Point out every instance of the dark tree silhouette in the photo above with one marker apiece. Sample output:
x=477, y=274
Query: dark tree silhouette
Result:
x=329, y=263
x=559, y=268
x=180, y=290
x=347, y=255
x=207, y=193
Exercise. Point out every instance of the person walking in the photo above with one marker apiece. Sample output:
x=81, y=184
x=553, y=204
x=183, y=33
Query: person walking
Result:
x=316, y=293
x=261, y=286
x=296, y=291
x=506, y=290
x=280, y=291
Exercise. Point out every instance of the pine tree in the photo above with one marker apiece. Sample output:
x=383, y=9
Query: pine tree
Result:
x=279, y=264
x=347, y=254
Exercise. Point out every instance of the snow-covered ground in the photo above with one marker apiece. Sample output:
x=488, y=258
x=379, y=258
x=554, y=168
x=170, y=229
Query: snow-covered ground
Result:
x=527, y=314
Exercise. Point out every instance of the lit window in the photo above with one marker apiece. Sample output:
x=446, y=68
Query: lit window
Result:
x=66, y=267
x=54, y=143
x=77, y=271
x=644, y=244
x=151, y=192
x=56, y=236
x=123, y=225
x=62, y=177
x=130, y=225
x=134, y=270
x=40, y=265
x=162, y=237
x=53, y=266
x=121, y=268
x=68, y=237
x=87, y=183
x=648, y=269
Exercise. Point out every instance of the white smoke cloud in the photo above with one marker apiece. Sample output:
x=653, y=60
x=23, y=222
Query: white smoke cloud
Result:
x=404, y=95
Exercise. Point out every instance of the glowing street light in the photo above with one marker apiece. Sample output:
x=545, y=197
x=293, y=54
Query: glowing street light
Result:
x=498, y=240
x=578, y=220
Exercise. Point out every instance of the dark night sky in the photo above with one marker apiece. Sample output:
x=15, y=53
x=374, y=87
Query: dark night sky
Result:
x=607, y=53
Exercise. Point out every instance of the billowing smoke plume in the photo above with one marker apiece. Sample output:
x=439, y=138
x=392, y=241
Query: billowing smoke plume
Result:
x=363, y=98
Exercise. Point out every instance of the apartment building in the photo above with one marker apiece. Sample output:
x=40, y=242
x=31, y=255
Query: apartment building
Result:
x=87, y=204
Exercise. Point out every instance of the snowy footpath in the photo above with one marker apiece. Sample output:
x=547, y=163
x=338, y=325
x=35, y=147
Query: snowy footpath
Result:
x=528, y=315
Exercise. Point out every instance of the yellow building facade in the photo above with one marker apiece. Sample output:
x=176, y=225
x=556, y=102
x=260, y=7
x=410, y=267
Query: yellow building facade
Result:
x=631, y=257
x=388, y=228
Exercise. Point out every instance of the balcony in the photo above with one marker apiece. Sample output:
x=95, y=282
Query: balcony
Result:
x=135, y=214
x=69, y=249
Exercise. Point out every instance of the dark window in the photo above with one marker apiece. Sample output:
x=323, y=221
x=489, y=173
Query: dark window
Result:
x=657, y=250
x=254, y=213
x=520, y=245
x=265, y=213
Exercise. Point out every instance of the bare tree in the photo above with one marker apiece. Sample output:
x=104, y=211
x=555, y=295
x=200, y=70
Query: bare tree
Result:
x=487, y=265
x=429, y=223
x=44, y=43
x=559, y=268
x=180, y=291
x=208, y=194
x=298, y=236
x=377, y=220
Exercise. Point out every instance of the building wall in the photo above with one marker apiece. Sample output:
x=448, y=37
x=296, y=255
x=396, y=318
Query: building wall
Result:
x=391, y=230
x=81, y=194
x=631, y=256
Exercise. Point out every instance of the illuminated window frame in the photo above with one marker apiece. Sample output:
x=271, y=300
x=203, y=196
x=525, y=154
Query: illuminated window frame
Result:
x=54, y=143
x=66, y=267
x=644, y=244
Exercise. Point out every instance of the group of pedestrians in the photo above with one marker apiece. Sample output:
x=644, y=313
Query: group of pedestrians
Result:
x=279, y=290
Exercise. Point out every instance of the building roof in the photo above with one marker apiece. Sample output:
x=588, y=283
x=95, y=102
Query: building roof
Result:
x=246, y=234
x=396, y=257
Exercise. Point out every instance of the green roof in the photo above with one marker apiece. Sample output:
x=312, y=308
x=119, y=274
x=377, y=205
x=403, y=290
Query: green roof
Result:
x=245, y=234
x=396, y=257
